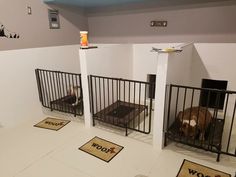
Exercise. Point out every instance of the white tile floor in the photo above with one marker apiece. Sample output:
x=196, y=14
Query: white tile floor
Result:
x=27, y=151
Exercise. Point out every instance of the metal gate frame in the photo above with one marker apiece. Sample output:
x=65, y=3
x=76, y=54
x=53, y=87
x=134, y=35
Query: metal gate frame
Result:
x=108, y=92
x=190, y=94
x=53, y=89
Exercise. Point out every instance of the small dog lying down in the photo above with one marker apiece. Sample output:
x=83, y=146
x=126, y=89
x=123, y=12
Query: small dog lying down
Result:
x=196, y=124
x=74, y=91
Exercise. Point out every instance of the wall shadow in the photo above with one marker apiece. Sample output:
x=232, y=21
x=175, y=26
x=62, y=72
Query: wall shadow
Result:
x=198, y=68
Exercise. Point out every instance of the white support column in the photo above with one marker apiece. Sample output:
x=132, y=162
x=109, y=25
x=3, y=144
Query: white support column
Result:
x=85, y=87
x=161, y=81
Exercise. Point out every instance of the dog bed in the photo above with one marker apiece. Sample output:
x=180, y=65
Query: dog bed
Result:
x=67, y=104
x=120, y=113
x=212, y=137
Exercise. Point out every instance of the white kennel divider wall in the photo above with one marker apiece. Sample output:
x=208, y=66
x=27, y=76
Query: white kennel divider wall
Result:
x=214, y=61
x=145, y=61
x=207, y=61
x=172, y=68
x=110, y=60
x=19, y=94
x=135, y=61
x=217, y=61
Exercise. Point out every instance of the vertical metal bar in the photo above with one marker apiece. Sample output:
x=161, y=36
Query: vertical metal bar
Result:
x=112, y=87
x=42, y=87
x=168, y=113
x=117, y=97
x=95, y=79
x=104, y=98
x=45, y=85
x=92, y=101
x=150, y=109
x=100, y=97
x=191, y=106
x=231, y=127
x=182, y=119
x=69, y=110
x=124, y=90
x=215, y=119
x=70, y=87
x=117, y=90
x=49, y=89
x=38, y=84
x=226, y=107
x=207, y=105
x=81, y=96
x=139, y=105
x=55, y=93
x=66, y=107
x=76, y=104
x=185, y=94
x=108, y=90
x=64, y=90
x=198, y=112
x=129, y=102
x=114, y=96
x=57, y=81
x=81, y=88
x=205, y=120
x=59, y=84
x=145, y=105
x=176, y=104
x=51, y=85
x=134, y=104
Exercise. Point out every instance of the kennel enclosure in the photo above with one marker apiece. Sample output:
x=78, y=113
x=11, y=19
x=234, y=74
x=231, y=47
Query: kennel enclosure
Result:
x=61, y=91
x=121, y=102
x=219, y=135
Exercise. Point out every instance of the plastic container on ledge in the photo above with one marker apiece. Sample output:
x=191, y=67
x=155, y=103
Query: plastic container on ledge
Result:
x=84, y=39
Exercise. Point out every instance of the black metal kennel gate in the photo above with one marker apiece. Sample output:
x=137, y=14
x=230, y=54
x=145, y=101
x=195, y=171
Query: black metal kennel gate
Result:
x=60, y=91
x=219, y=135
x=121, y=102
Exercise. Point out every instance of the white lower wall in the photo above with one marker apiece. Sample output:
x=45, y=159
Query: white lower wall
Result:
x=179, y=67
x=111, y=60
x=144, y=61
x=18, y=92
x=214, y=61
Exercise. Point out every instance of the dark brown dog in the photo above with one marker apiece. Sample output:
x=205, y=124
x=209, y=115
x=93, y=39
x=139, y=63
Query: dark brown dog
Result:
x=195, y=123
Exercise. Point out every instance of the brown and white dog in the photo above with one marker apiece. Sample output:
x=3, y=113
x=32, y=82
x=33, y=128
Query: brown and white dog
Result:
x=195, y=123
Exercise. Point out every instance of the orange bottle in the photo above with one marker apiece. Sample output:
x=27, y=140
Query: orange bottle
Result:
x=84, y=39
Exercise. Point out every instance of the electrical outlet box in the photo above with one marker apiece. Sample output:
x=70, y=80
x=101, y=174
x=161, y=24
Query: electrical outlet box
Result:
x=158, y=24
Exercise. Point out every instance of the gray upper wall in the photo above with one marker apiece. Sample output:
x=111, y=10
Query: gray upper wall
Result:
x=34, y=29
x=199, y=23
